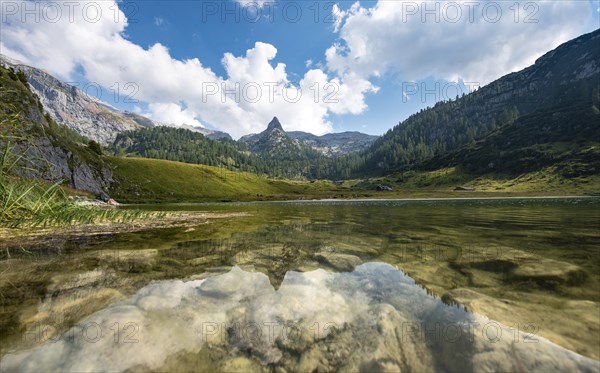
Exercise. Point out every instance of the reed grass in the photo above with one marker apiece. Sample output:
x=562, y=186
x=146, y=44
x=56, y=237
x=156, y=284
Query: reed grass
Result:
x=34, y=203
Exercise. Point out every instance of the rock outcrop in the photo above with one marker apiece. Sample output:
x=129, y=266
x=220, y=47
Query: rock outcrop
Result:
x=335, y=144
x=72, y=107
x=43, y=149
x=55, y=163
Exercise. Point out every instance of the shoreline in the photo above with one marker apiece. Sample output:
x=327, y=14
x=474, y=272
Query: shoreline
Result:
x=10, y=237
x=417, y=199
x=341, y=200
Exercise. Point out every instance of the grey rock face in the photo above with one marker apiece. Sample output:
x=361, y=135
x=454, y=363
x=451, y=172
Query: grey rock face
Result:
x=70, y=106
x=335, y=144
x=54, y=164
x=87, y=178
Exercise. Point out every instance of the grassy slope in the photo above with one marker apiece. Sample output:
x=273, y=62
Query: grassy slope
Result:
x=547, y=181
x=141, y=180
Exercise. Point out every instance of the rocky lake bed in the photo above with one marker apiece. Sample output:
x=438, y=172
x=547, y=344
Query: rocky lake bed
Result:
x=355, y=286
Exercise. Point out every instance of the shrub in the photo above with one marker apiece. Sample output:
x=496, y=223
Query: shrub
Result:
x=95, y=147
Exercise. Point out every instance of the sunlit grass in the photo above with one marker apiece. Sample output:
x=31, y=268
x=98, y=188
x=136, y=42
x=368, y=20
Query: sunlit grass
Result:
x=34, y=203
x=27, y=203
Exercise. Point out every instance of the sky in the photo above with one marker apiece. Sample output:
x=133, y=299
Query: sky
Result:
x=320, y=67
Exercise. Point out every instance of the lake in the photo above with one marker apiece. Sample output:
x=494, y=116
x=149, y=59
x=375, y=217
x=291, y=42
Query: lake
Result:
x=381, y=285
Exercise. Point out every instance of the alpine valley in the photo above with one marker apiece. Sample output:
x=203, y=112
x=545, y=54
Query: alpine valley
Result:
x=463, y=238
x=535, y=130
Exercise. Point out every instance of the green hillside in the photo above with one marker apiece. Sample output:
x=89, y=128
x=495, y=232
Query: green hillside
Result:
x=543, y=116
x=140, y=180
x=532, y=131
x=565, y=136
x=566, y=79
x=287, y=159
x=183, y=145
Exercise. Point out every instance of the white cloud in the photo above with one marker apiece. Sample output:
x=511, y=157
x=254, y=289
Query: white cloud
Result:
x=340, y=15
x=403, y=37
x=255, y=3
x=372, y=42
x=177, y=91
x=171, y=113
x=158, y=21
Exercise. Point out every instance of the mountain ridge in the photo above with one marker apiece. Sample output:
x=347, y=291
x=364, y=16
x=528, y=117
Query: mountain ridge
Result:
x=86, y=114
x=330, y=144
x=337, y=143
x=517, y=124
x=449, y=125
x=72, y=107
x=101, y=122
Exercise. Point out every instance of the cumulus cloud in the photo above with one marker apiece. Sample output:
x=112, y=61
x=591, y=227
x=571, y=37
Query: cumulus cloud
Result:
x=179, y=91
x=340, y=15
x=171, y=113
x=255, y=3
x=473, y=41
x=404, y=38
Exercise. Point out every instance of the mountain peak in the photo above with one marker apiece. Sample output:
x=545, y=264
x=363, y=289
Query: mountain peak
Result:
x=274, y=124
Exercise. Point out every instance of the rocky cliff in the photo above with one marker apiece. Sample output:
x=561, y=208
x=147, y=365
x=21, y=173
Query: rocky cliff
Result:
x=49, y=151
x=335, y=144
x=70, y=106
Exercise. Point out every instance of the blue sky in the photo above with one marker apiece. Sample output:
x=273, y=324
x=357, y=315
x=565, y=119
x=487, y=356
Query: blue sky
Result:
x=385, y=59
x=190, y=29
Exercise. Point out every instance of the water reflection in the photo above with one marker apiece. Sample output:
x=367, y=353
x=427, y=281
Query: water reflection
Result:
x=531, y=265
x=371, y=319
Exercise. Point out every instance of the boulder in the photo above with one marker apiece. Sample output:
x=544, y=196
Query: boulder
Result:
x=383, y=188
x=337, y=261
x=549, y=273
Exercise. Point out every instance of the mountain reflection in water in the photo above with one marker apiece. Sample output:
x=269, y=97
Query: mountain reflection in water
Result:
x=374, y=318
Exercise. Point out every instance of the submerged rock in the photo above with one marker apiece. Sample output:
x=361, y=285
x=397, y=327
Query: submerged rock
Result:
x=337, y=261
x=547, y=272
x=511, y=265
x=371, y=319
x=128, y=260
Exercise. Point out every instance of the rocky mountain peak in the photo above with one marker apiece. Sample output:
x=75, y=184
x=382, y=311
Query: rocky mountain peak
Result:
x=332, y=144
x=274, y=124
